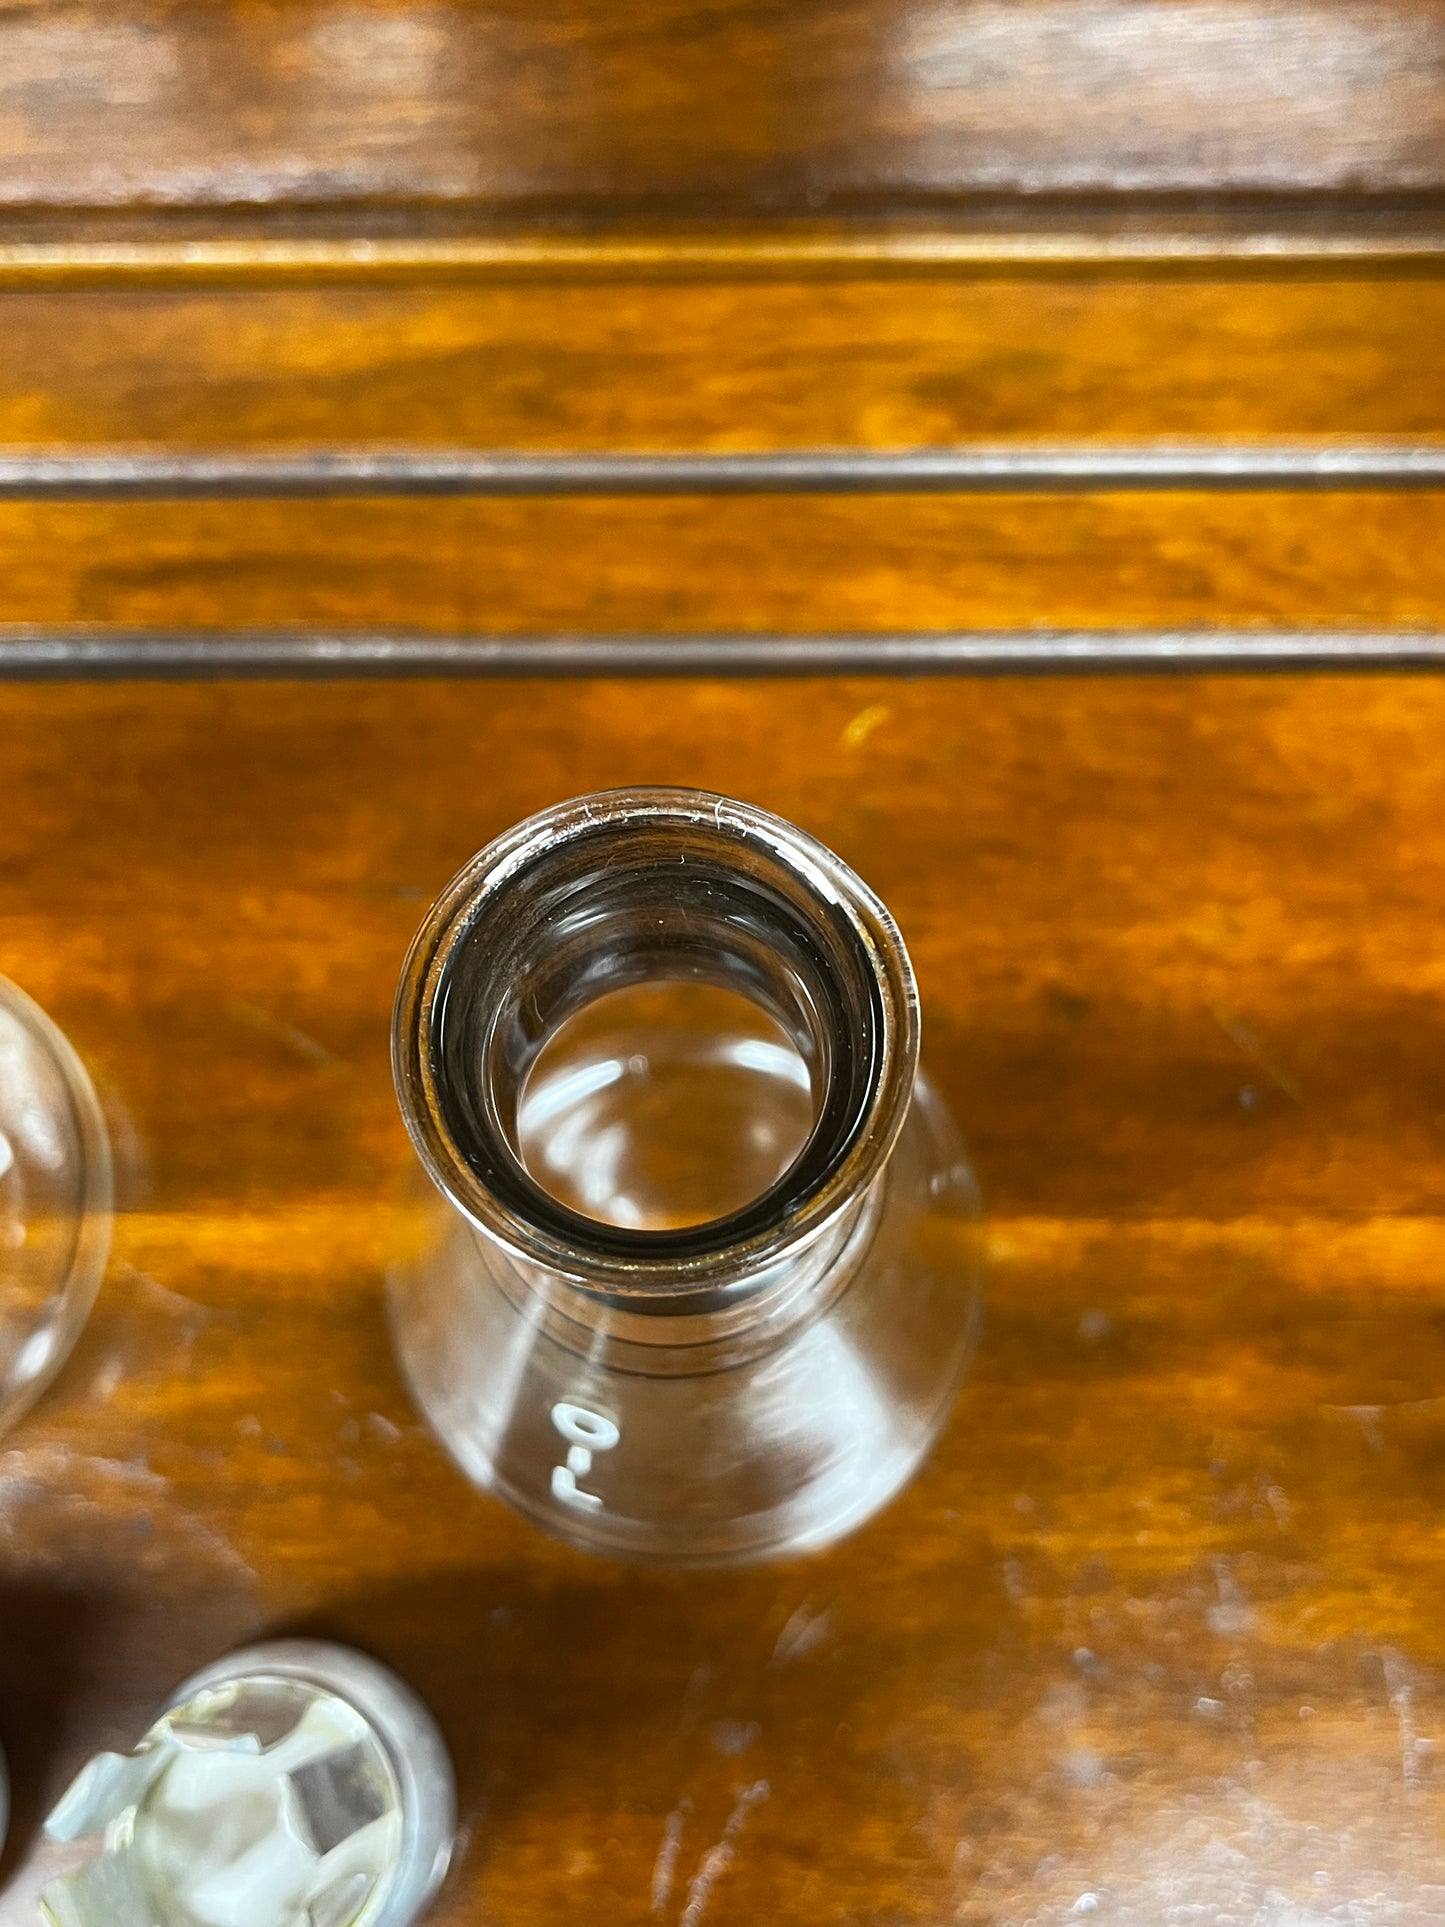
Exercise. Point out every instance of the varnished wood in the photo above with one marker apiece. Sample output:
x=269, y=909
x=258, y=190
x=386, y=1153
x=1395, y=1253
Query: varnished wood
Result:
x=743, y=107
x=712, y=367
x=1161, y=1623
x=816, y=563
x=1160, y=1629
x=723, y=366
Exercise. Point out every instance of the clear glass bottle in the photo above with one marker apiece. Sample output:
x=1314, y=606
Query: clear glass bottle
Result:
x=706, y=1281
x=55, y=1201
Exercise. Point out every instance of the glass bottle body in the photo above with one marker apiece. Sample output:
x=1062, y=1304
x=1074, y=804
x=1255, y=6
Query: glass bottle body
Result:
x=660, y=1383
x=55, y=1200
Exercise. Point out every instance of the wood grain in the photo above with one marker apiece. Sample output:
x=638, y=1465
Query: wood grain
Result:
x=1162, y=1621
x=693, y=565
x=724, y=365
x=741, y=107
x=1160, y=1628
x=712, y=366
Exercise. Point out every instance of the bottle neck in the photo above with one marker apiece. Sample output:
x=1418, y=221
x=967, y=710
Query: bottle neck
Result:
x=643, y=887
x=671, y=1332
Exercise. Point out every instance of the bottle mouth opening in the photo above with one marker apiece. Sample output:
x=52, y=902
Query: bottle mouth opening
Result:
x=665, y=1104
x=651, y=887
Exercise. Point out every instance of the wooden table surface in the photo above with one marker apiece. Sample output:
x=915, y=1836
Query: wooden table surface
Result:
x=739, y=105
x=851, y=361
x=1156, y=1637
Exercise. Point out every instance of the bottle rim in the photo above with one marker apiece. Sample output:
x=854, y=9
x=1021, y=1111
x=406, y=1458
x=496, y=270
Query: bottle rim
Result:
x=467, y=1012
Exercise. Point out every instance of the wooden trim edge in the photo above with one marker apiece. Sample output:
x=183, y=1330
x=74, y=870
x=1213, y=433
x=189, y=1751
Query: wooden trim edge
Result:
x=223, y=261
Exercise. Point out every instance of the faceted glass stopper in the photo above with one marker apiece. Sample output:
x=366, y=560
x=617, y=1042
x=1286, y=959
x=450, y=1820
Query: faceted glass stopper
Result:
x=259, y=1803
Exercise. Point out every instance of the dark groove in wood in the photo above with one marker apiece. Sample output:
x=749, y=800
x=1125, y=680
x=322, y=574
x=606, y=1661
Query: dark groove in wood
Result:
x=65, y=654
x=1088, y=467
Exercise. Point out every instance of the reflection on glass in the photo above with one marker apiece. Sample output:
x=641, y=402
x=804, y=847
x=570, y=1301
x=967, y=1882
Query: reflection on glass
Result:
x=708, y=1281
x=55, y=1200
x=664, y=1105
x=296, y=1784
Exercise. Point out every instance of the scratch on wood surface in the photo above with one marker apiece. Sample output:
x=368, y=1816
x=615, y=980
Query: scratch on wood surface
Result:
x=31, y=1479
x=664, y=1870
x=1245, y=1041
x=1367, y=1417
x=284, y=1033
x=732, y=1737
x=106, y=1383
x=1232, y=1615
x=164, y=1297
x=692, y=1699
x=59, y=1465
x=716, y=1861
x=805, y=1630
x=1402, y=1704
